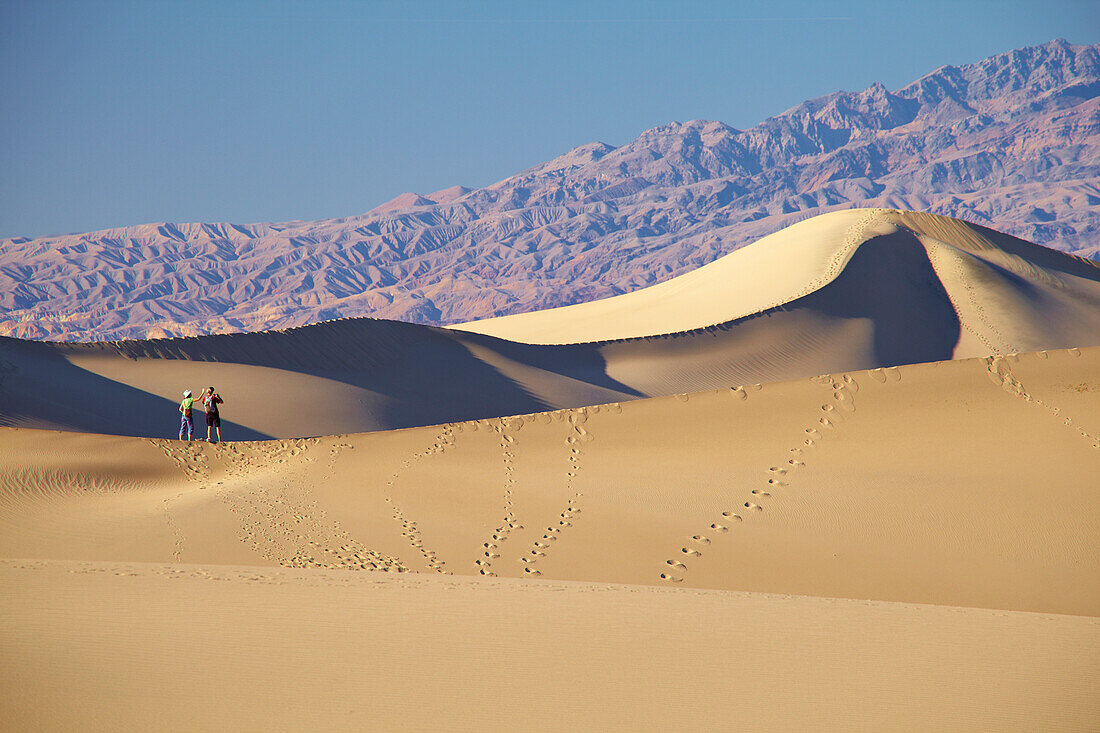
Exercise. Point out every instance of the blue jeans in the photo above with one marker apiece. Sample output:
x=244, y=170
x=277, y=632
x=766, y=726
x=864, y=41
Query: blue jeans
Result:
x=186, y=426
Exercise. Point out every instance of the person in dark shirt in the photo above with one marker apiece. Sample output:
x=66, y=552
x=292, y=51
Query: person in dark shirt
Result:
x=210, y=401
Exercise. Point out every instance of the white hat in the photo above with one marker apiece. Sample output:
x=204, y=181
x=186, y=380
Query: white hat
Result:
x=186, y=393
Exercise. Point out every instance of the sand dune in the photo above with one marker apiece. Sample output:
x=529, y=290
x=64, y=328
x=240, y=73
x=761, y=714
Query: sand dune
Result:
x=870, y=484
x=811, y=485
x=843, y=291
x=829, y=260
x=964, y=484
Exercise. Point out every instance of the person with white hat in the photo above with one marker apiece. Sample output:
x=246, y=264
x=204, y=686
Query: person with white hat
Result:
x=186, y=424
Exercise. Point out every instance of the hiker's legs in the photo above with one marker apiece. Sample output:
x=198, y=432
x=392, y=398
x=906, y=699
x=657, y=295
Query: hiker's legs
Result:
x=219, y=429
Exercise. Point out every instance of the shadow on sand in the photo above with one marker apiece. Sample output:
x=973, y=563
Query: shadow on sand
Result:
x=39, y=388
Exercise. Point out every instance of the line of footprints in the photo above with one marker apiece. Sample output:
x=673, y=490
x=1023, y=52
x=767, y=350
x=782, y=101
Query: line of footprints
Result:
x=831, y=414
x=541, y=547
x=1000, y=372
x=285, y=526
x=409, y=529
x=505, y=429
x=576, y=437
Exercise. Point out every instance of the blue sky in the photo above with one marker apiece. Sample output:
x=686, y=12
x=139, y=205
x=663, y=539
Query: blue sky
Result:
x=118, y=113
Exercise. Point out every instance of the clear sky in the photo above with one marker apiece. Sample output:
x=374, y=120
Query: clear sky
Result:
x=115, y=113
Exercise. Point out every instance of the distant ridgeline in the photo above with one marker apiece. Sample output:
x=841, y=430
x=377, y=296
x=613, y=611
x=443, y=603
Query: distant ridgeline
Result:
x=1010, y=143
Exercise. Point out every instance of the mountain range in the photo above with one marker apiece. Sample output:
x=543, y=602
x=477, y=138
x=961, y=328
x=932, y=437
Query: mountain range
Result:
x=1009, y=143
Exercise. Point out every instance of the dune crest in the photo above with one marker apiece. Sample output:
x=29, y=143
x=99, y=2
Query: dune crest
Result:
x=848, y=290
x=979, y=265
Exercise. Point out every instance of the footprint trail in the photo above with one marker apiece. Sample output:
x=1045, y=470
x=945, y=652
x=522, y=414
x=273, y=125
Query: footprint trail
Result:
x=838, y=407
x=1000, y=373
x=576, y=436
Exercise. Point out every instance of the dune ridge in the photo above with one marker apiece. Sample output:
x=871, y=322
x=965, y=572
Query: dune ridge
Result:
x=805, y=257
x=848, y=290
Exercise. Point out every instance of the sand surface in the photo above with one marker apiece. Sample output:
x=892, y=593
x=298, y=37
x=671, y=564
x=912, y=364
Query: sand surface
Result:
x=190, y=647
x=760, y=556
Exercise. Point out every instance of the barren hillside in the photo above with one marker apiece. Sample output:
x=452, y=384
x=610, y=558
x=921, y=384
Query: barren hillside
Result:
x=1011, y=143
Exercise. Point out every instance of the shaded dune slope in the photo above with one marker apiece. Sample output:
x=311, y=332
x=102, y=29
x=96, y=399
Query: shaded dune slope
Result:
x=849, y=290
x=974, y=264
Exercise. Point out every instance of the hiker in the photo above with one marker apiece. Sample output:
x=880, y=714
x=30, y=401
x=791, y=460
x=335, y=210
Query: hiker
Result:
x=210, y=401
x=186, y=424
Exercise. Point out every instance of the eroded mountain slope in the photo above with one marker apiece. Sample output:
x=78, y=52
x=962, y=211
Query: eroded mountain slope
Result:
x=1011, y=142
